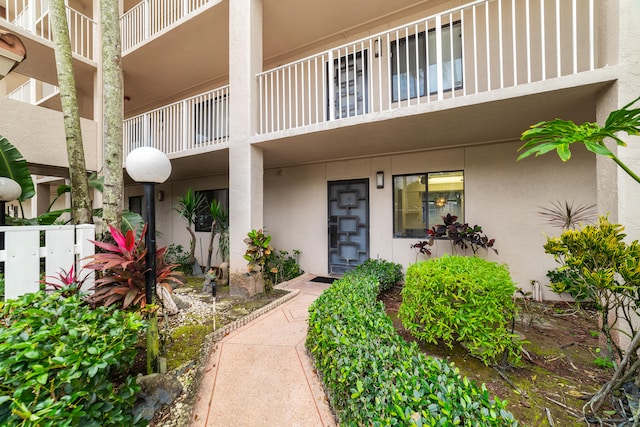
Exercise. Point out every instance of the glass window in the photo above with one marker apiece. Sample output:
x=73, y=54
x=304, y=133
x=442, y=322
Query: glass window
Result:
x=137, y=205
x=203, y=218
x=350, y=85
x=420, y=78
x=421, y=200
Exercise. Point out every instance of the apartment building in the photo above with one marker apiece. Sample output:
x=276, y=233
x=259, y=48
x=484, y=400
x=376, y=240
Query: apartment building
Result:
x=345, y=128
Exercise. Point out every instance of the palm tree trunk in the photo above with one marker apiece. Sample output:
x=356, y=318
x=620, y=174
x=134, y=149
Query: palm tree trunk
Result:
x=113, y=115
x=80, y=200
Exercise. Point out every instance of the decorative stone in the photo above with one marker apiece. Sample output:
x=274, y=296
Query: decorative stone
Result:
x=156, y=390
x=180, y=302
x=246, y=284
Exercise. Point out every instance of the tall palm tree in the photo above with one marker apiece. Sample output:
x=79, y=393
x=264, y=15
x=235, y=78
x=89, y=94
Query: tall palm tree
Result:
x=80, y=200
x=112, y=113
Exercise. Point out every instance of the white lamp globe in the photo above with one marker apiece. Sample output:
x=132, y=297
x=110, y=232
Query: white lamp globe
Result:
x=148, y=164
x=9, y=189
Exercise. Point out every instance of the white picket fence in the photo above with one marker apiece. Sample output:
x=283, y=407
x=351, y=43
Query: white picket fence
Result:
x=63, y=246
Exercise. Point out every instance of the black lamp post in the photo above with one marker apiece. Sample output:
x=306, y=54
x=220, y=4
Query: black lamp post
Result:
x=149, y=166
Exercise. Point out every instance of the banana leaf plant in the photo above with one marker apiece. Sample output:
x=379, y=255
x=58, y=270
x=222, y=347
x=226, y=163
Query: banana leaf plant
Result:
x=558, y=135
x=13, y=165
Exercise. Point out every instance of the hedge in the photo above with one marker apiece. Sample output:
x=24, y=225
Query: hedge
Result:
x=463, y=299
x=60, y=360
x=373, y=377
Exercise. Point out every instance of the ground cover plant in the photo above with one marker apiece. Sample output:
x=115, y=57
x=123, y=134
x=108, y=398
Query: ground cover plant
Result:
x=560, y=366
x=463, y=299
x=374, y=377
x=62, y=362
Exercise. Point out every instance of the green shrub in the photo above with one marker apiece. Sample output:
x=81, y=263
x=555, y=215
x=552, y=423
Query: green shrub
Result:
x=58, y=361
x=386, y=273
x=568, y=281
x=605, y=268
x=375, y=378
x=464, y=299
x=280, y=267
x=176, y=254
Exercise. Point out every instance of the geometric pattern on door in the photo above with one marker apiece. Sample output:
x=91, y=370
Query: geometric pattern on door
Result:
x=348, y=222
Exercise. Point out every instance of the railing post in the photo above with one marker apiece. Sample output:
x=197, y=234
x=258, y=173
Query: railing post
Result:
x=185, y=124
x=146, y=19
x=331, y=87
x=84, y=248
x=439, y=78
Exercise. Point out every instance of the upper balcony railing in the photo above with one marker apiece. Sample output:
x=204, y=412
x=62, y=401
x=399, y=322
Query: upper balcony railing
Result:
x=150, y=17
x=34, y=92
x=33, y=16
x=193, y=123
x=482, y=46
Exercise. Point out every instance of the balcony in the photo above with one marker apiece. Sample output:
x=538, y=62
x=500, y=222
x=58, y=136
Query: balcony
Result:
x=33, y=16
x=497, y=66
x=196, y=124
x=480, y=47
x=35, y=92
x=152, y=17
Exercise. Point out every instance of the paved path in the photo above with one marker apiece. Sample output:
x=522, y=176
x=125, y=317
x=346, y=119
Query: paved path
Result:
x=260, y=374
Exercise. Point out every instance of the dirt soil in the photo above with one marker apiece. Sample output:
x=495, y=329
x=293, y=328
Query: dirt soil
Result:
x=557, y=373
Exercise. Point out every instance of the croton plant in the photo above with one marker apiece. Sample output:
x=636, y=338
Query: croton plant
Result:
x=123, y=267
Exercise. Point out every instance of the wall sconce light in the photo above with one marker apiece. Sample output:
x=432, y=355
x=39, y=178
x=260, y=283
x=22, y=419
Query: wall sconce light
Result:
x=160, y=195
x=380, y=179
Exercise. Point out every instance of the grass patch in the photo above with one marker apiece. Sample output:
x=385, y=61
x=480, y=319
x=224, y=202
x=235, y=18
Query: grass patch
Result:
x=185, y=344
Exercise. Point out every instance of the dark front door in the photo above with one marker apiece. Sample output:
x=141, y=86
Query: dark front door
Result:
x=348, y=224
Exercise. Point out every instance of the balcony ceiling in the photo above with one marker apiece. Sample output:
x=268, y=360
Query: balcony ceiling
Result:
x=478, y=119
x=195, y=57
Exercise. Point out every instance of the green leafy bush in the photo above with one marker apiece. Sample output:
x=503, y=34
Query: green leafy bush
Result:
x=464, y=299
x=175, y=254
x=58, y=359
x=280, y=266
x=568, y=281
x=375, y=378
x=386, y=273
x=605, y=269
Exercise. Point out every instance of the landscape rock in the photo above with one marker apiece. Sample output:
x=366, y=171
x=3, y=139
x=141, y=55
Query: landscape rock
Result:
x=156, y=391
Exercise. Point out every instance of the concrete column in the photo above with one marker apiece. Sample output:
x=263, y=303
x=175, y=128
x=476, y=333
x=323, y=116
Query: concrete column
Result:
x=618, y=194
x=245, y=160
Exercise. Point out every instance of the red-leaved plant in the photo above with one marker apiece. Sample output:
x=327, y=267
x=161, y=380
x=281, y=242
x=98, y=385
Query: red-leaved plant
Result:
x=65, y=281
x=123, y=268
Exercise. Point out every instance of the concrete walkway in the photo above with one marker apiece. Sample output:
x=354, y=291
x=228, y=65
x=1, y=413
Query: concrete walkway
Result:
x=261, y=375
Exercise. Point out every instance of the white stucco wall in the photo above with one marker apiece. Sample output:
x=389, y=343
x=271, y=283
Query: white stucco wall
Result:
x=501, y=195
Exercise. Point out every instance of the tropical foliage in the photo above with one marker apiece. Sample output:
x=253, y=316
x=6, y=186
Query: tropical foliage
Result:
x=58, y=361
x=188, y=206
x=123, y=267
x=462, y=299
x=461, y=236
x=559, y=134
x=373, y=377
x=258, y=250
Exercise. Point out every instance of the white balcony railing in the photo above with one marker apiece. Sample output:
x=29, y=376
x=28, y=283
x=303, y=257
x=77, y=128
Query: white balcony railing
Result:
x=197, y=122
x=33, y=92
x=479, y=47
x=33, y=16
x=150, y=17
